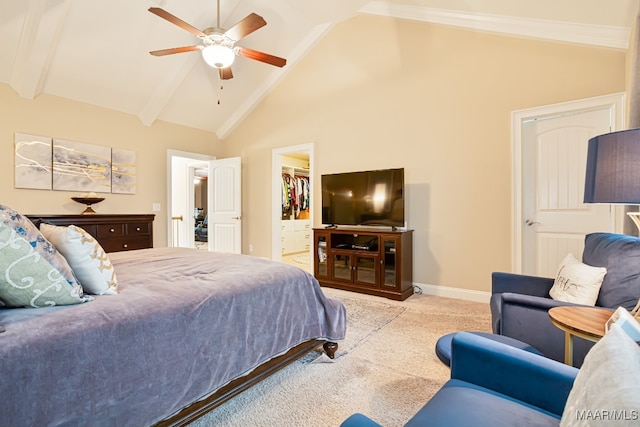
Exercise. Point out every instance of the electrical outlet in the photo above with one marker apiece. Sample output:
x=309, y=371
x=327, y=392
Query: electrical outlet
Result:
x=156, y=207
x=250, y=247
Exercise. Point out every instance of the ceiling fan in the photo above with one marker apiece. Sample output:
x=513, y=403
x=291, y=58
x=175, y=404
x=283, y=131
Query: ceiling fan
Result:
x=218, y=45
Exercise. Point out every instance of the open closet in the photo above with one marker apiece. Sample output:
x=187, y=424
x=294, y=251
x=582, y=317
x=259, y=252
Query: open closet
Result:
x=296, y=208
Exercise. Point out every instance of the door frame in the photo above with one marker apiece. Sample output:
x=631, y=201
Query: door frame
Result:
x=276, y=195
x=193, y=159
x=616, y=103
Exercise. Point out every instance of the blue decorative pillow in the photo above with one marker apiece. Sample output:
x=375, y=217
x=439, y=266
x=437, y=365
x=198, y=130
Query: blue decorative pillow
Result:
x=25, y=229
x=27, y=279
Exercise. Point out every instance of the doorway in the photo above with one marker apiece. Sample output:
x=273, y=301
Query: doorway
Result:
x=549, y=146
x=201, y=207
x=292, y=213
x=223, y=201
x=181, y=196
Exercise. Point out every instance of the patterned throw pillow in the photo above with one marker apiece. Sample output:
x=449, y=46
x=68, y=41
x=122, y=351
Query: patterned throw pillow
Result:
x=87, y=258
x=577, y=282
x=25, y=228
x=28, y=279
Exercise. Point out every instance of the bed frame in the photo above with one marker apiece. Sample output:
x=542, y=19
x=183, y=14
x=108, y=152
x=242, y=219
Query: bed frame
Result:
x=92, y=224
x=237, y=386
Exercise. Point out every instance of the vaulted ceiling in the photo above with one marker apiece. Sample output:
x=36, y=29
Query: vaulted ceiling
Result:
x=97, y=52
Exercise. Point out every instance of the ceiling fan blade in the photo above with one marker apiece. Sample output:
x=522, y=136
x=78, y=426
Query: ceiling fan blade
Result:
x=173, y=50
x=261, y=56
x=245, y=27
x=225, y=73
x=177, y=21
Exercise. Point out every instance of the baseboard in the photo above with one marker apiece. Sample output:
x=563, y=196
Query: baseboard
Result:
x=457, y=293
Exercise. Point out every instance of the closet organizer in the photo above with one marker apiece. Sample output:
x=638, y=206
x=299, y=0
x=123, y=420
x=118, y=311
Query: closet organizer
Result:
x=296, y=198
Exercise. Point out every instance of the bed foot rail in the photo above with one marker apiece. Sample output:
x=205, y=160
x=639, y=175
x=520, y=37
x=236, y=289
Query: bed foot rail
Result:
x=330, y=348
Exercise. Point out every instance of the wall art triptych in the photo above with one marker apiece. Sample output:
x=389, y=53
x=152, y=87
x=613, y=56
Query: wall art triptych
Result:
x=45, y=163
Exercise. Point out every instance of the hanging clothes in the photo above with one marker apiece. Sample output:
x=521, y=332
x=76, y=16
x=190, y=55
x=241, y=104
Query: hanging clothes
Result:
x=295, y=194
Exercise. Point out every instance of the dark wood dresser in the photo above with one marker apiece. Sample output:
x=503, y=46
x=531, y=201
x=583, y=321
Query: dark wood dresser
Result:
x=120, y=232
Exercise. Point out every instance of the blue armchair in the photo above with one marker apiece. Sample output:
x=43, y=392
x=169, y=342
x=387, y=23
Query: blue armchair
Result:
x=493, y=384
x=520, y=303
x=201, y=231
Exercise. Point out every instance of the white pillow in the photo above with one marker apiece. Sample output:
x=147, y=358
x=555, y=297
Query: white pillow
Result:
x=607, y=388
x=88, y=260
x=577, y=282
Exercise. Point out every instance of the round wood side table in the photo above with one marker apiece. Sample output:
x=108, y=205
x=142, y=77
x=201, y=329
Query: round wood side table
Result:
x=583, y=322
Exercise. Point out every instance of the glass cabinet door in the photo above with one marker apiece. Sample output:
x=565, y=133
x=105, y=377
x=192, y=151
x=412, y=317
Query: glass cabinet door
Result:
x=390, y=262
x=366, y=269
x=322, y=260
x=342, y=266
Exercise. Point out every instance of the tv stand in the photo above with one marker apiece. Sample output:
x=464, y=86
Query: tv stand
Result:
x=371, y=261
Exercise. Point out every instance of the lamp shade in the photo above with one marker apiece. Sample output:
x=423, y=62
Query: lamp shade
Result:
x=613, y=168
x=218, y=56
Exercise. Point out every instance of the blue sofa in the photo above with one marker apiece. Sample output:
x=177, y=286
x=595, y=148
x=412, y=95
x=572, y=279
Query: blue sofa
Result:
x=493, y=384
x=520, y=303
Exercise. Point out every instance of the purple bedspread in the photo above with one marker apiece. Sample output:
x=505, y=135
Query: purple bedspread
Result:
x=185, y=323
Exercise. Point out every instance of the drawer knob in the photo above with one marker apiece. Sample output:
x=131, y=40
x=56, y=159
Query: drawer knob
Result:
x=125, y=246
x=137, y=228
x=111, y=230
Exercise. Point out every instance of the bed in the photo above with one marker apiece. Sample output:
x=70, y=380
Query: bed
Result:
x=188, y=330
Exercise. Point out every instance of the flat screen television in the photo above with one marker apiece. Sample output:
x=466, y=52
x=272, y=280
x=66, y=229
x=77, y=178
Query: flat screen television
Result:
x=373, y=198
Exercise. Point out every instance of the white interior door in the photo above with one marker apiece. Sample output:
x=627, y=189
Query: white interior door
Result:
x=225, y=200
x=555, y=217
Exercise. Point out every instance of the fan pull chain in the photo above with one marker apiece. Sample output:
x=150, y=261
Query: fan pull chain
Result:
x=220, y=86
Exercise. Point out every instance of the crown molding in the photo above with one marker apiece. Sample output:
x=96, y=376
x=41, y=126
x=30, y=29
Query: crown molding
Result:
x=596, y=35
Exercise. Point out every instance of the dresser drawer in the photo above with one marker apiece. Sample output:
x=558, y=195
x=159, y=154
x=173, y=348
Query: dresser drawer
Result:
x=125, y=244
x=110, y=230
x=138, y=229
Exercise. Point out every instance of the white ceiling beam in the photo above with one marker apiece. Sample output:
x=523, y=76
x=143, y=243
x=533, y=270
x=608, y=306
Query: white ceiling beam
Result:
x=165, y=89
x=597, y=35
x=41, y=30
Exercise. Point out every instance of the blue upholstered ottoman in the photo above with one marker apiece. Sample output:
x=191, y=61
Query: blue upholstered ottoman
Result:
x=443, y=346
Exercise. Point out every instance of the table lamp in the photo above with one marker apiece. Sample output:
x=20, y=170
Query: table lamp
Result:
x=613, y=170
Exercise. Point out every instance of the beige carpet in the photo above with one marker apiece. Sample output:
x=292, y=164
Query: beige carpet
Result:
x=386, y=367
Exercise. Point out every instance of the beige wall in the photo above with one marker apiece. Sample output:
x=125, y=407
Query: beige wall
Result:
x=380, y=92
x=61, y=118
x=374, y=93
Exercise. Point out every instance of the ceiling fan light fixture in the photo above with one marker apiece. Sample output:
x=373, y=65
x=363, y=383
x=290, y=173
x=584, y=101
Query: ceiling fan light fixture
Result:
x=218, y=56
